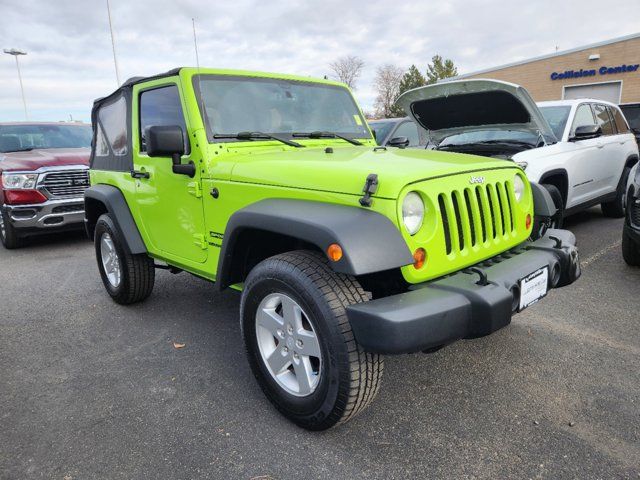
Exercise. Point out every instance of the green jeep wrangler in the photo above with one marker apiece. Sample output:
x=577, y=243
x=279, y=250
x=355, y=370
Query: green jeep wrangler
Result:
x=344, y=251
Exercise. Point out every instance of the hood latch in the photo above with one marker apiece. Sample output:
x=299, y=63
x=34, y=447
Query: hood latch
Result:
x=370, y=187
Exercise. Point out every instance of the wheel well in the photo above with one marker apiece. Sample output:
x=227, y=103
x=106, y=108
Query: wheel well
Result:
x=559, y=180
x=92, y=210
x=254, y=245
x=631, y=161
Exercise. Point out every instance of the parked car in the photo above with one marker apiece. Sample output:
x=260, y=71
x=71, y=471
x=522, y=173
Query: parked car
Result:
x=631, y=229
x=632, y=114
x=398, y=132
x=44, y=173
x=273, y=185
x=581, y=151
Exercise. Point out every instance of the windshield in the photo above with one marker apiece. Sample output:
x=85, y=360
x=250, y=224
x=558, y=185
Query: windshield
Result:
x=382, y=129
x=556, y=117
x=16, y=138
x=480, y=136
x=277, y=107
x=632, y=114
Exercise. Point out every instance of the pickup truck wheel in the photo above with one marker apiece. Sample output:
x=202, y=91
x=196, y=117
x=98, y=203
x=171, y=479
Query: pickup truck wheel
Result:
x=630, y=250
x=299, y=342
x=615, y=208
x=127, y=278
x=8, y=235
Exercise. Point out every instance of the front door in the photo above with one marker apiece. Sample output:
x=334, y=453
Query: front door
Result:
x=169, y=205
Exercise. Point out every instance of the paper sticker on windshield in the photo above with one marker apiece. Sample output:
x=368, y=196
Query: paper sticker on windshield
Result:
x=357, y=119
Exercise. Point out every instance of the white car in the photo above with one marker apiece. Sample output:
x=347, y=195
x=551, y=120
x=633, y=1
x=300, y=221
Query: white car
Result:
x=580, y=150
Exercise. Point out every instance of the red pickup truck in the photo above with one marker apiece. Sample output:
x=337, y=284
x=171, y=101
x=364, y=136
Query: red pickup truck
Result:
x=44, y=171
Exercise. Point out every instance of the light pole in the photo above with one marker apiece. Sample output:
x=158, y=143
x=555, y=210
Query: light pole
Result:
x=15, y=52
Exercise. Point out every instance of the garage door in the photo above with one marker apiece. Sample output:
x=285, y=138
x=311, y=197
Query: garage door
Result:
x=609, y=91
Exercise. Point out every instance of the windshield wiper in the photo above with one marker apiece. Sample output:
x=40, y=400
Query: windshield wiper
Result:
x=258, y=136
x=327, y=135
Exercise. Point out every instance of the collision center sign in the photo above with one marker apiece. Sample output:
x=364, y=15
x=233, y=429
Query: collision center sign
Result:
x=592, y=73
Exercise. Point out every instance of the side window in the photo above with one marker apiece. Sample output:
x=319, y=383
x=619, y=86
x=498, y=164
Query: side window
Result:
x=409, y=130
x=112, y=129
x=584, y=116
x=603, y=119
x=161, y=106
x=621, y=123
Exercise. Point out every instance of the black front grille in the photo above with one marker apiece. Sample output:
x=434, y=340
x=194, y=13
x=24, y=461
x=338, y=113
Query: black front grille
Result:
x=69, y=183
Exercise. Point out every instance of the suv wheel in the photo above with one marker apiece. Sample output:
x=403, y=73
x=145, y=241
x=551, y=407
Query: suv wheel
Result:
x=630, y=250
x=127, y=278
x=299, y=342
x=8, y=235
x=615, y=208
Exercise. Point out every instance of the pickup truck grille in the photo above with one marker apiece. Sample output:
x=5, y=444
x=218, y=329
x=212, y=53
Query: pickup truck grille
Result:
x=475, y=215
x=71, y=183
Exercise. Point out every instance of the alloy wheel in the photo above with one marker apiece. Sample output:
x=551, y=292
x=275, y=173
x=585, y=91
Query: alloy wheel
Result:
x=110, y=260
x=288, y=344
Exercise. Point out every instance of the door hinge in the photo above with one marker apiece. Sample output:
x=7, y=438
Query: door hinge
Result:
x=195, y=189
x=200, y=241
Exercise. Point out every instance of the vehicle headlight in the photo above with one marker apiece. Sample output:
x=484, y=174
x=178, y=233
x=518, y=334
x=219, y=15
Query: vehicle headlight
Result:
x=518, y=187
x=412, y=212
x=19, y=181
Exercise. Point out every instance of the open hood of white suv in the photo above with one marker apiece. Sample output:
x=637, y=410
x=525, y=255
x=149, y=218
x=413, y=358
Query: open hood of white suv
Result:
x=461, y=106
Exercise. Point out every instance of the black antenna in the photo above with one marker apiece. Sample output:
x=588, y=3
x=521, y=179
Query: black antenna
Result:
x=203, y=112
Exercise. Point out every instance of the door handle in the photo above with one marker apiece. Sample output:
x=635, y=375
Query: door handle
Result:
x=138, y=174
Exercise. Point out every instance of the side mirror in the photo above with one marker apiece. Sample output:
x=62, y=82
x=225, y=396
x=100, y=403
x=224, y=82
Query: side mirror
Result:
x=400, y=142
x=584, y=132
x=168, y=141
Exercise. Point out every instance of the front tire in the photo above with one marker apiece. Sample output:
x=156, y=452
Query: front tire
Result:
x=8, y=235
x=615, y=208
x=128, y=278
x=299, y=342
x=630, y=250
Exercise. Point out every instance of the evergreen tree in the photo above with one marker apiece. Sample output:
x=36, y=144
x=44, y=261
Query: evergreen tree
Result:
x=411, y=79
x=440, y=68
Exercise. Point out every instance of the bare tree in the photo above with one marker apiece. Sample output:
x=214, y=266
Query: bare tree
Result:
x=387, y=85
x=347, y=69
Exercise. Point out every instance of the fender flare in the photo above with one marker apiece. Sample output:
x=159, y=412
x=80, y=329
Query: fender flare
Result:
x=116, y=205
x=543, y=204
x=370, y=241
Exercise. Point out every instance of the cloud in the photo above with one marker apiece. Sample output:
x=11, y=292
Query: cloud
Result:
x=70, y=62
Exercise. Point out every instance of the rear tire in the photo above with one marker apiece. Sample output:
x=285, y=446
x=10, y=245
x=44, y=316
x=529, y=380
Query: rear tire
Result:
x=342, y=379
x=8, y=234
x=615, y=208
x=630, y=250
x=128, y=278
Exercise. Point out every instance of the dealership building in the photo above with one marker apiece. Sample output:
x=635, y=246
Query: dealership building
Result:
x=605, y=70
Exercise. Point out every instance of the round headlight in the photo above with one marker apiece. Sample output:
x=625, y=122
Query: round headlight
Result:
x=412, y=212
x=518, y=187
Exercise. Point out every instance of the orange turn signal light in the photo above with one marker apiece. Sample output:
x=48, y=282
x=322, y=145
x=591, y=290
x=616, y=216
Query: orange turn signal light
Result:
x=334, y=252
x=419, y=257
x=528, y=221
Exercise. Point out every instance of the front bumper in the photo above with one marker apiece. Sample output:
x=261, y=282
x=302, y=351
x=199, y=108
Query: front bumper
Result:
x=49, y=216
x=469, y=304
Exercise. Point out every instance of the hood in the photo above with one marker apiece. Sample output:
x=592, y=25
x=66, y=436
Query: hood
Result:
x=35, y=159
x=462, y=106
x=345, y=170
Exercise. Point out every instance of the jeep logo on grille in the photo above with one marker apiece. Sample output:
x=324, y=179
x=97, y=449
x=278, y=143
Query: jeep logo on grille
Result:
x=473, y=180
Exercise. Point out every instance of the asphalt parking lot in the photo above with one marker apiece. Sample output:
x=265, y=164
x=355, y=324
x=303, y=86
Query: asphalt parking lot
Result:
x=90, y=389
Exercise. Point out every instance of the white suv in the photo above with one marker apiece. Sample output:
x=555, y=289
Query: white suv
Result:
x=580, y=150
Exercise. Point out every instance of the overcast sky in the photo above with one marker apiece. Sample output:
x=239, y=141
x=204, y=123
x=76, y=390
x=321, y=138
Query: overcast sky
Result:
x=69, y=61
